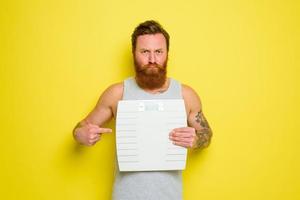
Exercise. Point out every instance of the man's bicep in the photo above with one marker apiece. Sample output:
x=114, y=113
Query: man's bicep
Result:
x=99, y=115
x=193, y=116
x=193, y=106
x=197, y=120
x=103, y=110
x=196, y=116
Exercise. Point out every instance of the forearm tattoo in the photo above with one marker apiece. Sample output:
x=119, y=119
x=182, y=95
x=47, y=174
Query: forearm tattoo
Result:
x=204, y=133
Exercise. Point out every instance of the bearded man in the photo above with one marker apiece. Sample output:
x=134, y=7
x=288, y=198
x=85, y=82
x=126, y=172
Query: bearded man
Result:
x=150, y=46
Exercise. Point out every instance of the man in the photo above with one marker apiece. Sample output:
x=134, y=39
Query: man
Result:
x=150, y=45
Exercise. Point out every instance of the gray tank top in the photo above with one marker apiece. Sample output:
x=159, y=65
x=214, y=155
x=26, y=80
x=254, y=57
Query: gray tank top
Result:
x=150, y=185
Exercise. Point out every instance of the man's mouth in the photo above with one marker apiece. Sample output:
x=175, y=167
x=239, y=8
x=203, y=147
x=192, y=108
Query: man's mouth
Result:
x=155, y=65
x=151, y=66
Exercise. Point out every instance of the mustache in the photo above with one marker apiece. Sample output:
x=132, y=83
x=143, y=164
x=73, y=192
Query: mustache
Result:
x=152, y=65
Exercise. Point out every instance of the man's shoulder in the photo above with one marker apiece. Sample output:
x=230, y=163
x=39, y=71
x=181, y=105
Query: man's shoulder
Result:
x=190, y=97
x=115, y=89
x=187, y=90
x=116, y=86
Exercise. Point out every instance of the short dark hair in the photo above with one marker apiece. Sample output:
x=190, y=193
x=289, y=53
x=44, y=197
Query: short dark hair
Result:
x=148, y=27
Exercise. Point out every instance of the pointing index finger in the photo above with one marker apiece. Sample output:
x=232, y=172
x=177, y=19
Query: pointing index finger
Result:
x=105, y=130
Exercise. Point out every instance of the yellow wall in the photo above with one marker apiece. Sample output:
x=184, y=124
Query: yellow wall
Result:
x=242, y=57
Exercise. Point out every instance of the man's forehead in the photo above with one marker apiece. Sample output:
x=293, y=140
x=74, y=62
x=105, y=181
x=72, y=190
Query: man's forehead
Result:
x=151, y=41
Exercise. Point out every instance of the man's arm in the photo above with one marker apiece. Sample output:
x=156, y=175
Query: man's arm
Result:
x=196, y=118
x=198, y=133
x=204, y=133
x=88, y=131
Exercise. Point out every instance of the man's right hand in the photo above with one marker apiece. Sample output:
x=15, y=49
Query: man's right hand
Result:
x=89, y=134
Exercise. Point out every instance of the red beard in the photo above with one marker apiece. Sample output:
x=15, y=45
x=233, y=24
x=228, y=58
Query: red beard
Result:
x=150, y=76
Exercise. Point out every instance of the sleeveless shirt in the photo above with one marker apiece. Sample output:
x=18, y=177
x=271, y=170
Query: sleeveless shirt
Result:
x=148, y=185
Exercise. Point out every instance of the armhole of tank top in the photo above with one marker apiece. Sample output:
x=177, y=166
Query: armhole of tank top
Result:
x=180, y=90
x=126, y=88
x=177, y=86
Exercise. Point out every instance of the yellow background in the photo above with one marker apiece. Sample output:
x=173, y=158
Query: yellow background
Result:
x=242, y=57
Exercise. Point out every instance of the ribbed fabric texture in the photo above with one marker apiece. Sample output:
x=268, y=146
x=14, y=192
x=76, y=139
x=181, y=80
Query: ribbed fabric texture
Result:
x=148, y=185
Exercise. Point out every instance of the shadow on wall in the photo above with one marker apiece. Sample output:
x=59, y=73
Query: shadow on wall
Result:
x=71, y=158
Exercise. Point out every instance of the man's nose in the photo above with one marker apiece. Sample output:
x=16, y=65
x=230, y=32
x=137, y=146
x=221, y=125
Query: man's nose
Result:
x=152, y=58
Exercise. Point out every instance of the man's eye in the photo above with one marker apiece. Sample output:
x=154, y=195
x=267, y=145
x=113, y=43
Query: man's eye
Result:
x=145, y=51
x=158, y=51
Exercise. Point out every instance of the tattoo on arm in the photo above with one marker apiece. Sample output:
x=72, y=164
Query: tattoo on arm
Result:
x=205, y=133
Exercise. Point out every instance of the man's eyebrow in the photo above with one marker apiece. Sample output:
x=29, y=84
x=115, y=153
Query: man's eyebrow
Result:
x=143, y=49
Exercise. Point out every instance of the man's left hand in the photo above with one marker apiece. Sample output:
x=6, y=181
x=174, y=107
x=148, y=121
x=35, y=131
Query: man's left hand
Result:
x=185, y=137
